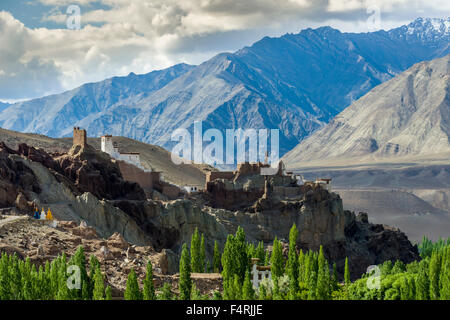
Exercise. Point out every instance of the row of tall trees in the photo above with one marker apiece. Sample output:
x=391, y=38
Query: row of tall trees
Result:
x=308, y=275
x=133, y=291
x=199, y=263
x=295, y=275
x=61, y=279
x=426, y=247
x=428, y=279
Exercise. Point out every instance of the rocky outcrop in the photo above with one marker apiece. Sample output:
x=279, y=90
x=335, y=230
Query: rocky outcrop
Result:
x=321, y=220
x=16, y=180
x=371, y=244
x=88, y=170
x=108, y=219
x=57, y=193
x=171, y=224
x=243, y=189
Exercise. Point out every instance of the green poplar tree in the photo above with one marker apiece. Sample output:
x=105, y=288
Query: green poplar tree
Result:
x=108, y=293
x=301, y=267
x=322, y=278
x=260, y=253
x=292, y=264
x=195, y=252
x=237, y=288
x=166, y=292
x=247, y=290
x=132, y=291
x=235, y=261
x=276, y=294
x=347, y=273
x=435, y=266
x=229, y=268
x=216, y=258
x=423, y=282
x=4, y=278
x=277, y=261
x=404, y=288
x=267, y=258
x=202, y=255
x=93, y=264
x=334, y=279
x=262, y=294
x=185, y=283
x=63, y=289
x=445, y=277
x=79, y=259
x=149, y=287
x=241, y=258
x=99, y=285
x=312, y=285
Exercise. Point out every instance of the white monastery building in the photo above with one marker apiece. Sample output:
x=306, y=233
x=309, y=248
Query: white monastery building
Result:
x=259, y=273
x=111, y=148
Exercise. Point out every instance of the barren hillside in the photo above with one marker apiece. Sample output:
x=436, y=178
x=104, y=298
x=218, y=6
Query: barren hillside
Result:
x=407, y=116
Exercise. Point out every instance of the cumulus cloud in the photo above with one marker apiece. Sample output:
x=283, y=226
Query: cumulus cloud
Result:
x=122, y=36
x=23, y=75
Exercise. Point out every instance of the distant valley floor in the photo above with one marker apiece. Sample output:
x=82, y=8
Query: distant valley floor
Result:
x=410, y=195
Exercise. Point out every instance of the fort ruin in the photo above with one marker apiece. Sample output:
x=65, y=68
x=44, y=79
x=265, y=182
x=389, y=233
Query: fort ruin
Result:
x=79, y=137
x=130, y=166
x=228, y=189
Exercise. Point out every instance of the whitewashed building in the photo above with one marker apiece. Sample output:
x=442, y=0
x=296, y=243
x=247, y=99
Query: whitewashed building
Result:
x=259, y=273
x=111, y=148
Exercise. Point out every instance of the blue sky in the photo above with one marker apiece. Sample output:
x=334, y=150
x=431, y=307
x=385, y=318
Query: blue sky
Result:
x=32, y=13
x=40, y=55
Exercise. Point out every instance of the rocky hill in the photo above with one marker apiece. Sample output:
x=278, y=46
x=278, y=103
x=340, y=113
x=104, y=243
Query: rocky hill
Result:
x=84, y=184
x=296, y=83
x=407, y=116
x=152, y=157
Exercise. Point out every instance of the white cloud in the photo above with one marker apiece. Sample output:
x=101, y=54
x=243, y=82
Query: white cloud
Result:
x=67, y=2
x=139, y=36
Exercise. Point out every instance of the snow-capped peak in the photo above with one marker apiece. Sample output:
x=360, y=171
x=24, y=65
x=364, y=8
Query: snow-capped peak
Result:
x=429, y=26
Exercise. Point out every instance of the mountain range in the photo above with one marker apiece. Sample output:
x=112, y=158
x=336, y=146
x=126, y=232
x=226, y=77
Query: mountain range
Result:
x=296, y=83
x=407, y=116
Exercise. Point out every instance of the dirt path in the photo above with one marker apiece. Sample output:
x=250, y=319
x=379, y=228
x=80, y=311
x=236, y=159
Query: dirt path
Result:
x=11, y=219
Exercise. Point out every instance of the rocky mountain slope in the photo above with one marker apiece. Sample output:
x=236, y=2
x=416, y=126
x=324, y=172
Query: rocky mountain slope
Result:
x=407, y=116
x=3, y=105
x=295, y=83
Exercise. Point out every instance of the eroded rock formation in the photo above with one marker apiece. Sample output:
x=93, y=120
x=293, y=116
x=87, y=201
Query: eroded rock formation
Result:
x=86, y=185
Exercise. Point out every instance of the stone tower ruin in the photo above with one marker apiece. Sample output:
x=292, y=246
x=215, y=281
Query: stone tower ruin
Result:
x=79, y=137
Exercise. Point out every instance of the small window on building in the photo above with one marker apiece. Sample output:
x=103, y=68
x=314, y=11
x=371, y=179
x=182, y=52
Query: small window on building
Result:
x=259, y=277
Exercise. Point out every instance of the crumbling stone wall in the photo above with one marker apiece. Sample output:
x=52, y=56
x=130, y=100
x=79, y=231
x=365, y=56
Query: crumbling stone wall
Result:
x=246, y=168
x=132, y=173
